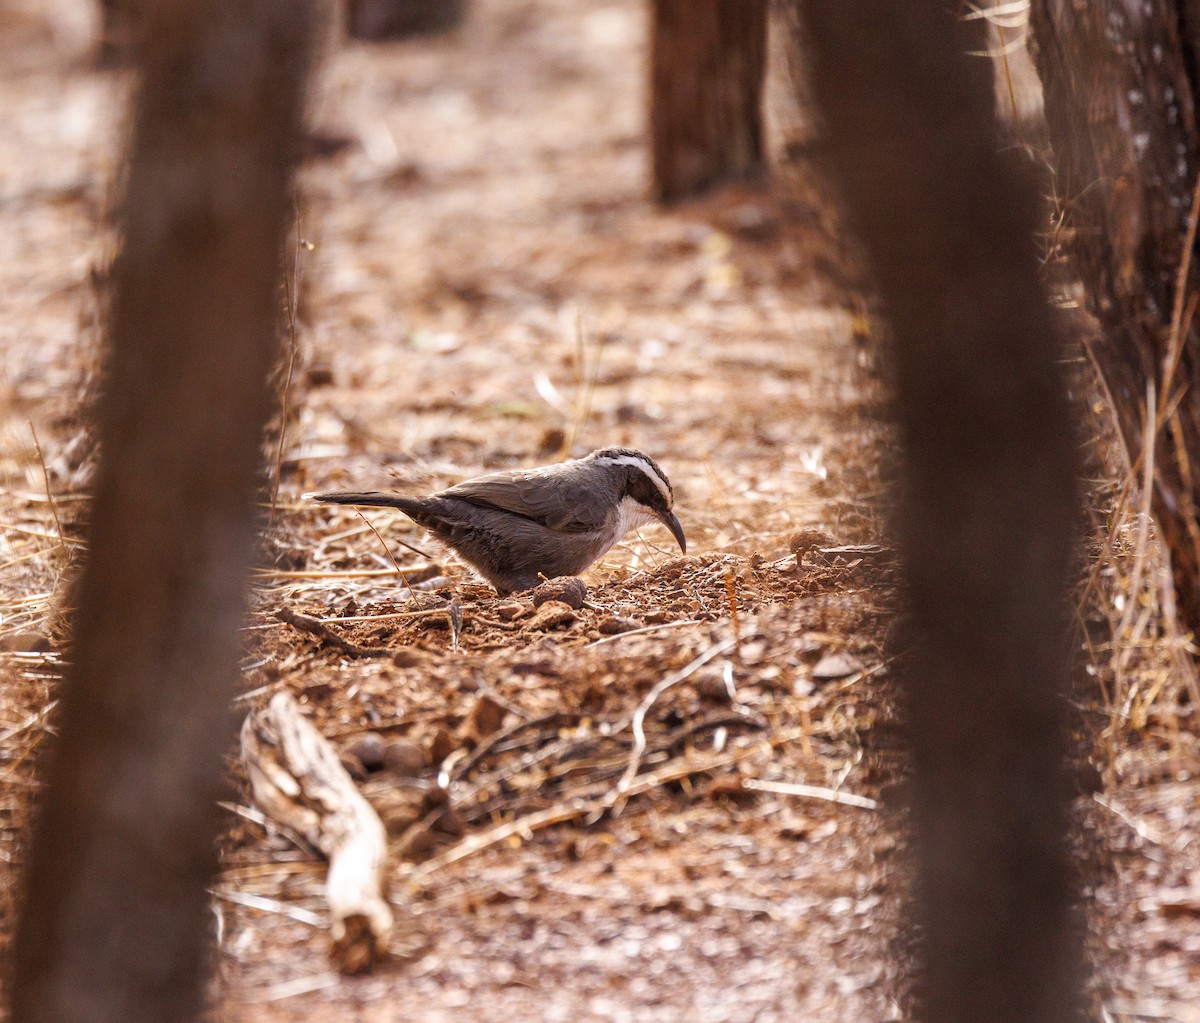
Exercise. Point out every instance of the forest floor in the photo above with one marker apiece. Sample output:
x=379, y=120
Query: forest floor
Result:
x=484, y=284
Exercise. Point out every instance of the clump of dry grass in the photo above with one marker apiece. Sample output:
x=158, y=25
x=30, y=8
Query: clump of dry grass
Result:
x=1137, y=651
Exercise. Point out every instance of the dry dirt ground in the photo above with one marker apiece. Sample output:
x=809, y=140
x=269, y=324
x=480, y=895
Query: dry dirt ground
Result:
x=483, y=284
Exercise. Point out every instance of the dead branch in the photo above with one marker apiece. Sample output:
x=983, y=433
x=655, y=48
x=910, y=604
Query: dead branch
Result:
x=299, y=781
x=575, y=806
x=639, y=717
x=306, y=623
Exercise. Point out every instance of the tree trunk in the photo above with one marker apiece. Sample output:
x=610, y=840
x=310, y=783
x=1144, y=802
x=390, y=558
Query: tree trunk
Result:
x=115, y=925
x=708, y=61
x=989, y=510
x=1120, y=84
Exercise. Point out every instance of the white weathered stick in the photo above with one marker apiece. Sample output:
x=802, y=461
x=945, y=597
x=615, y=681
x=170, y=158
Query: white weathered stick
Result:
x=639, y=718
x=298, y=780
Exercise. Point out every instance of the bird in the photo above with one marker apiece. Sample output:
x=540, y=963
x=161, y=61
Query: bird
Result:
x=517, y=527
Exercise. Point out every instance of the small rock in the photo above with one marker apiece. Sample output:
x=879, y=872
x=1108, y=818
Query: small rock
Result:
x=712, y=687
x=658, y=616
x=552, y=441
x=368, y=749
x=509, y=612
x=409, y=657
x=675, y=567
x=484, y=719
x=448, y=823
x=632, y=412
x=354, y=766
x=441, y=746
x=1183, y=902
x=417, y=843
x=567, y=590
x=803, y=541
x=837, y=665
x=319, y=374
x=553, y=614
x=752, y=651
x=796, y=827
x=614, y=624
x=809, y=645
x=315, y=693
x=403, y=757
x=436, y=796
x=730, y=788
x=26, y=643
x=398, y=808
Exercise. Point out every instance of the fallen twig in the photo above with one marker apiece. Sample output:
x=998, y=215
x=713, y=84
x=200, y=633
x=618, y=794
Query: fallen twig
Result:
x=644, y=629
x=680, y=767
x=306, y=623
x=787, y=788
x=731, y=720
x=639, y=717
x=427, y=612
x=462, y=769
x=264, y=905
x=298, y=780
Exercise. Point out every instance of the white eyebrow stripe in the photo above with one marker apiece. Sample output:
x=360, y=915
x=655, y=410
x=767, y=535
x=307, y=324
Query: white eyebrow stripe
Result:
x=663, y=487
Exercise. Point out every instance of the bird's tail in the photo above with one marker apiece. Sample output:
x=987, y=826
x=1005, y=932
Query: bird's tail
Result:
x=368, y=499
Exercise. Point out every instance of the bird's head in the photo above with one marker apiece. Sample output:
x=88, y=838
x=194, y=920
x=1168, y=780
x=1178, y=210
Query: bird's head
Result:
x=643, y=482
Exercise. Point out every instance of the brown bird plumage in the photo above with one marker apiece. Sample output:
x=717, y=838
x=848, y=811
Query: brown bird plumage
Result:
x=518, y=525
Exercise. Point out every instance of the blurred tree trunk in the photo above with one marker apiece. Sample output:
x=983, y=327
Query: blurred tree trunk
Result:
x=1120, y=83
x=989, y=512
x=115, y=926
x=708, y=61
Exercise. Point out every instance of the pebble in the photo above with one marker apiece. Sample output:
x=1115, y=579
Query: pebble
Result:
x=803, y=541
x=368, y=749
x=614, y=624
x=566, y=590
x=403, y=757
x=553, y=614
x=833, y=666
x=26, y=643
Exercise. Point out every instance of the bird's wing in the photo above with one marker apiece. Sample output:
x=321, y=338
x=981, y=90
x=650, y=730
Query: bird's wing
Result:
x=563, y=506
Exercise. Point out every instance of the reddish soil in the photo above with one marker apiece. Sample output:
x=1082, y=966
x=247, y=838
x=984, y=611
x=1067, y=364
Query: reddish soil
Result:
x=484, y=284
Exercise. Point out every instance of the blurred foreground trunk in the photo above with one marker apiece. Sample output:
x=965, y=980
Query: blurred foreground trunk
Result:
x=115, y=925
x=989, y=510
x=708, y=61
x=1120, y=83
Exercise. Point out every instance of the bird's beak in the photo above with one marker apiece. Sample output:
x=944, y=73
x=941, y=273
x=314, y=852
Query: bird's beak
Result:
x=670, y=520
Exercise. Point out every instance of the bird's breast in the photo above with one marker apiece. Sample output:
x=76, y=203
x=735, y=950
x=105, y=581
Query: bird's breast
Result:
x=630, y=514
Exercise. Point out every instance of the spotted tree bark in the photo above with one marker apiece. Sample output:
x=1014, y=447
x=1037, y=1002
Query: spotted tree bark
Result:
x=115, y=927
x=1120, y=83
x=988, y=512
x=707, y=65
